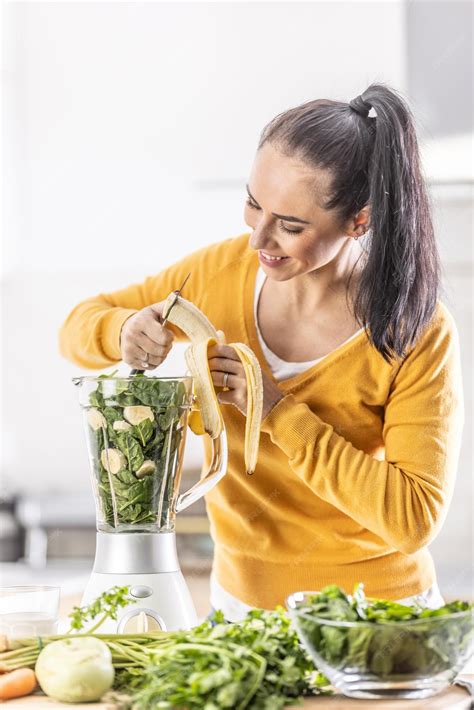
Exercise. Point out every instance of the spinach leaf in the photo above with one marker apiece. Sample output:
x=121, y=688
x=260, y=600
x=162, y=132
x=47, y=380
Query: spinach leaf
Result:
x=96, y=399
x=112, y=414
x=125, y=400
x=153, y=448
x=126, y=476
x=166, y=419
x=143, y=431
x=130, y=447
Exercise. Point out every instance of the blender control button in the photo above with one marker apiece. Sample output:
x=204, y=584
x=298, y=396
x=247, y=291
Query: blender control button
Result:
x=142, y=623
x=141, y=592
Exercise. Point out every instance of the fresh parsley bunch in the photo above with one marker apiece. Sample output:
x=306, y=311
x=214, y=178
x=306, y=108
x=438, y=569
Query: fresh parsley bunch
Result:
x=256, y=664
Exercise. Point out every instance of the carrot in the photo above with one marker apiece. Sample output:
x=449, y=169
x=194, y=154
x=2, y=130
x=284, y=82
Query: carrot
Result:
x=17, y=683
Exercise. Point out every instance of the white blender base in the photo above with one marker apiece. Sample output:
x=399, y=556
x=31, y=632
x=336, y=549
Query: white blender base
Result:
x=168, y=599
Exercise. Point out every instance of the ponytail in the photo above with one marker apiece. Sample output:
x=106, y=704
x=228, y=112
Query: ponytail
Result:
x=371, y=149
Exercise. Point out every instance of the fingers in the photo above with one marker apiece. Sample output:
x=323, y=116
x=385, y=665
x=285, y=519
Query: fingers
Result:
x=226, y=351
x=233, y=382
x=137, y=364
x=142, y=353
x=135, y=357
x=157, y=310
x=147, y=322
x=157, y=333
x=153, y=349
x=144, y=342
x=222, y=364
x=220, y=380
x=228, y=372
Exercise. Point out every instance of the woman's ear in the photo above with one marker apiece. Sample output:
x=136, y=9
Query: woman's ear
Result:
x=359, y=224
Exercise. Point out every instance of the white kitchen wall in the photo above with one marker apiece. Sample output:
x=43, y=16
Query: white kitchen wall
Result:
x=128, y=132
x=454, y=218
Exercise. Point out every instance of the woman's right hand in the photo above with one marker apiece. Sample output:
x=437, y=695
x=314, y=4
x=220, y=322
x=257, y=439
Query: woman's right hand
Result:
x=144, y=342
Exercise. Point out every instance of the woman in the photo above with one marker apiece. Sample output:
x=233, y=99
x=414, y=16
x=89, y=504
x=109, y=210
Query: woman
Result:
x=336, y=291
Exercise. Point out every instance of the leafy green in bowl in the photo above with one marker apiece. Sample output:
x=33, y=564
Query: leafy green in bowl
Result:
x=373, y=648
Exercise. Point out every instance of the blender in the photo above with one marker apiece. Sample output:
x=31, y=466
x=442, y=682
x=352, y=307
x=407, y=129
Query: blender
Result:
x=136, y=434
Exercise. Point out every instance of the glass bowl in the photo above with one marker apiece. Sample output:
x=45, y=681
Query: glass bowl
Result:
x=404, y=659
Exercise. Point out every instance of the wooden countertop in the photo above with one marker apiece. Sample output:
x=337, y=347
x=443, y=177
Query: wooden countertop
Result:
x=454, y=698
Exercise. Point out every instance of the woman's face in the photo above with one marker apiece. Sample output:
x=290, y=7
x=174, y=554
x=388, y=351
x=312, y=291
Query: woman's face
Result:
x=281, y=187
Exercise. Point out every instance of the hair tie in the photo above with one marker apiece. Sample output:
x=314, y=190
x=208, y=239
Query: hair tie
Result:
x=360, y=106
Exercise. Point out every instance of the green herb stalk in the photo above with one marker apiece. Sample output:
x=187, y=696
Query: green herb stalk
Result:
x=256, y=664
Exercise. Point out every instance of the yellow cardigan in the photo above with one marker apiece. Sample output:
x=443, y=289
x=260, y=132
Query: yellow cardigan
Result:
x=357, y=462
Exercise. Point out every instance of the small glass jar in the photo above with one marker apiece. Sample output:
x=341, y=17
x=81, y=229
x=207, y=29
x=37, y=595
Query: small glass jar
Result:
x=29, y=611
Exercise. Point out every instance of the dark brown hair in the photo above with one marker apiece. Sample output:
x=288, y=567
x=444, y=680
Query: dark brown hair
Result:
x=374, y=161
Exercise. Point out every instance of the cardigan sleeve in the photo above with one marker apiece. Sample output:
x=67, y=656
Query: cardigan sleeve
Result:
x=404, y=498
x=90, y=336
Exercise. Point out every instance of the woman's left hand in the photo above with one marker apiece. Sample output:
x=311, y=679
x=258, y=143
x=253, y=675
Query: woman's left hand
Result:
x=222, y=359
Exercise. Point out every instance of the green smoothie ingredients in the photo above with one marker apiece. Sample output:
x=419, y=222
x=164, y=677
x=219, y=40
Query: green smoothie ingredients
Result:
x=134, y=430
x=256, y=664
x=383, y=637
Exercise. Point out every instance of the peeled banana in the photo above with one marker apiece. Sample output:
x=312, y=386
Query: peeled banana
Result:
x=186, y=316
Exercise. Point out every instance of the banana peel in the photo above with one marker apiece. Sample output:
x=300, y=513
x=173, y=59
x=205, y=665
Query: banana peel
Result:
x=206, y=415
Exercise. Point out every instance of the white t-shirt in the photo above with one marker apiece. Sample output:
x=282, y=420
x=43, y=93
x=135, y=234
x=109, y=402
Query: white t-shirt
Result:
x=232, y=608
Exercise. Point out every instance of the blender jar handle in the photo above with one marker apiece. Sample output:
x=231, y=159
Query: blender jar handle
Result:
x=217, y=470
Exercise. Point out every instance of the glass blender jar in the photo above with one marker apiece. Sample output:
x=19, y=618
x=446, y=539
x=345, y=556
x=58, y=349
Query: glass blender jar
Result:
x=136, y=434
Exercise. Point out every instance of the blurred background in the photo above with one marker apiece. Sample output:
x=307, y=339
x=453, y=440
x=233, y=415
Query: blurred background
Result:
x=129, y=130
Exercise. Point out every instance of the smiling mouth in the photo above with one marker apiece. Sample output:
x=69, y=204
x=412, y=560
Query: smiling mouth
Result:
x=270, y=257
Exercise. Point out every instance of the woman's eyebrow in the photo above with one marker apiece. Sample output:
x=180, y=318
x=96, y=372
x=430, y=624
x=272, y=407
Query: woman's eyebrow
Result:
x=281, y=216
